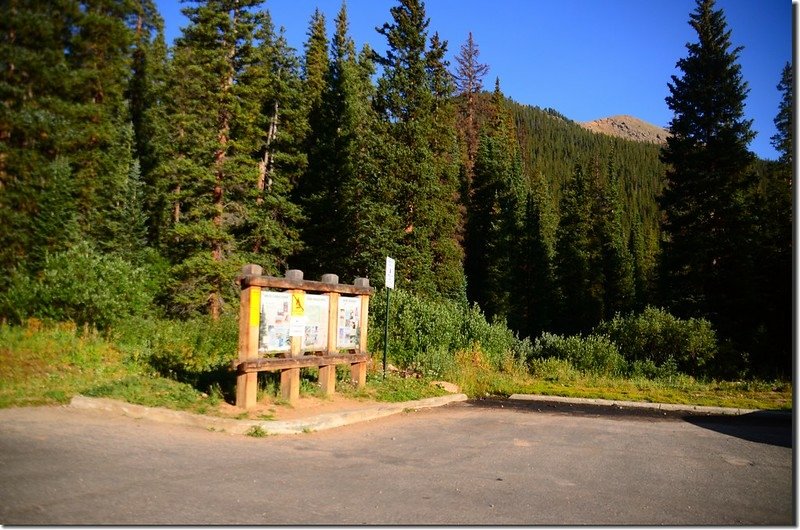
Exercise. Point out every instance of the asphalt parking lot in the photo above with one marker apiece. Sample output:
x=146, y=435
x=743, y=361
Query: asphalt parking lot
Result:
x=479, y=462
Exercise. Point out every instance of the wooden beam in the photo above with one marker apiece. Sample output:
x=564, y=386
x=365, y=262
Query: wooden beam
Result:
x=271, y=282
x=281, y=363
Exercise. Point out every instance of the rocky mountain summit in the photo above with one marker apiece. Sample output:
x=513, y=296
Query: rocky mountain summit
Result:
x=628, y=127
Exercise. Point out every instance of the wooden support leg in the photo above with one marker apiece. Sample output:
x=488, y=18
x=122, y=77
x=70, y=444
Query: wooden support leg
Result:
x=327, y=379
x=290, y=384
x=246, y=390
x=358, y=373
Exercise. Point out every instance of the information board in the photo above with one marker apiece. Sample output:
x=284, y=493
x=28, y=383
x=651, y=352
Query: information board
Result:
x=349, y=322
x=273, y=330
x=316, y=328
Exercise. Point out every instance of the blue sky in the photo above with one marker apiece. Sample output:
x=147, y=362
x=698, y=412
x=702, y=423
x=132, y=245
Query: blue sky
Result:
x=587, y=59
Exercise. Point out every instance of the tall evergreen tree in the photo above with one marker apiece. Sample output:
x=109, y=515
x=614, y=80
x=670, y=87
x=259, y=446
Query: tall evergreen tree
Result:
x=146, y=99
x=37, y=201
x=350, y=225
x=706, y=255
x=579, y=307
x=421, y=168
x=783, y=139
x=64, y=125
x=235, y=98
x=616, y=261
x=772, y=338
x=535, y=307
x=495, y=212
x=468, y=78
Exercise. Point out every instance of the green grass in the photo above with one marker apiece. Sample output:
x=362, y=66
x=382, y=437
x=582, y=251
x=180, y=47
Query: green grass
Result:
x=49, y=364
x=393, y=389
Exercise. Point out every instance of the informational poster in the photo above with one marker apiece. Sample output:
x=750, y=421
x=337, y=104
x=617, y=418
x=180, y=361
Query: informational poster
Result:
x=316, y=329
x=349, y=322
x=297, y=322
x=273, y=331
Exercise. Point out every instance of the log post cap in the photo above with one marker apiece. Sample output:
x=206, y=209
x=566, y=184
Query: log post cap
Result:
x=294, y=275
x=252, y=270
x=330, y=278
x=361, y=282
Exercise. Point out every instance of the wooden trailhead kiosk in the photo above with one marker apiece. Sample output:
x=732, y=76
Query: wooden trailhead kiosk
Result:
x=290, y=323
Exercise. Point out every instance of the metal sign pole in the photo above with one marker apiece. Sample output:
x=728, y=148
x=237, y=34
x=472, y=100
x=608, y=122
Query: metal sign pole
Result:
x=386, y=333
x=389, y=283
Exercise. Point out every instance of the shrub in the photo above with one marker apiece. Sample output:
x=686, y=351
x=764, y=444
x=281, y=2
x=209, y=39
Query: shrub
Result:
x=81, y=285
x=553, y=369
x=424, y=334
x=657, y=336
x=593, y=354
x=194, y=351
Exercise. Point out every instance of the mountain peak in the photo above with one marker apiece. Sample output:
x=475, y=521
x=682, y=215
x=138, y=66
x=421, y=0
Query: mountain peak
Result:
x=628, y=127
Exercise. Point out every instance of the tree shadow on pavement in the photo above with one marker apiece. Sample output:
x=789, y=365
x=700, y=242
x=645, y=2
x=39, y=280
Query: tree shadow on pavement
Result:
x=766, y=427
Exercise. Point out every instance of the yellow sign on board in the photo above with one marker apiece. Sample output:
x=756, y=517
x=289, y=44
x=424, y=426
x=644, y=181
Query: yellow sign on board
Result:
x=255, y=306
x=298, y=304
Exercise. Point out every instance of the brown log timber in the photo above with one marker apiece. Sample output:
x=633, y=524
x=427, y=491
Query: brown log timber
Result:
x=282, y=363
x=271, y=282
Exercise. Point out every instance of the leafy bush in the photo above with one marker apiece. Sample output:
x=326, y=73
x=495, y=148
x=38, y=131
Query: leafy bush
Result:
x=193, y=351
x=657, y=336
x=553, y=369
x=81, y=285
x=593, y=354
x=425, y=334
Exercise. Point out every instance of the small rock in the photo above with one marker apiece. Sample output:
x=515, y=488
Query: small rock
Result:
x=448, y=387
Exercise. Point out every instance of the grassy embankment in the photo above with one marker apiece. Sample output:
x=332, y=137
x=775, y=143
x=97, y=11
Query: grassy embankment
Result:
x=48, y=364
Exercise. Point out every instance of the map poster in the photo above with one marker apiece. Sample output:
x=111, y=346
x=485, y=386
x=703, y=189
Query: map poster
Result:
x=316, y=329
x=273, y=331
x=349, y=322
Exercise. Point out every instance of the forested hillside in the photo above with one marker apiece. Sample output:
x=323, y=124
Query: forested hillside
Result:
x=176, y=165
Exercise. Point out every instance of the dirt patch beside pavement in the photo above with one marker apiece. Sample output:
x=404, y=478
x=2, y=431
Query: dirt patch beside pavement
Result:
x=304, y=407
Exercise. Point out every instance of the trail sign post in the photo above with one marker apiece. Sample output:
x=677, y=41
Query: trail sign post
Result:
x=389, y=282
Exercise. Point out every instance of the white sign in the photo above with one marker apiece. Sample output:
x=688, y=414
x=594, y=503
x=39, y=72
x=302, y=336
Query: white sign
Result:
x=349, y=322
x=316, y=332
x=274, y=323
x=389, y=273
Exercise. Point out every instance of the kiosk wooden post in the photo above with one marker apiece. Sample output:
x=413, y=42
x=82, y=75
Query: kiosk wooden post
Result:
x=249, y=315
x=327, y=373
x=358, y=371
x=290, y=377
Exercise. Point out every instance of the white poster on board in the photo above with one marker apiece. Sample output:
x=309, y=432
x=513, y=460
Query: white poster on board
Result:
x=273, y=330
x=316, y=328
x=349, y=322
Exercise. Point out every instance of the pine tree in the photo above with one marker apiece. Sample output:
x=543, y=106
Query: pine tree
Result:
x=235, y=100
x=35, y=174
x=771, y=347
x=469, y=82
x=579, y=307
x=535, y=300
x=421, y=167
x=366, y=221
x=65, y=125
x=350, y=225
x=495, y=213
x=616, y=261
x=146, y=96
x=706, y=254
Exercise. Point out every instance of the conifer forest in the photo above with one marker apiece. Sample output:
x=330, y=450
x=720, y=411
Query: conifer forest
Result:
x=169, y=167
